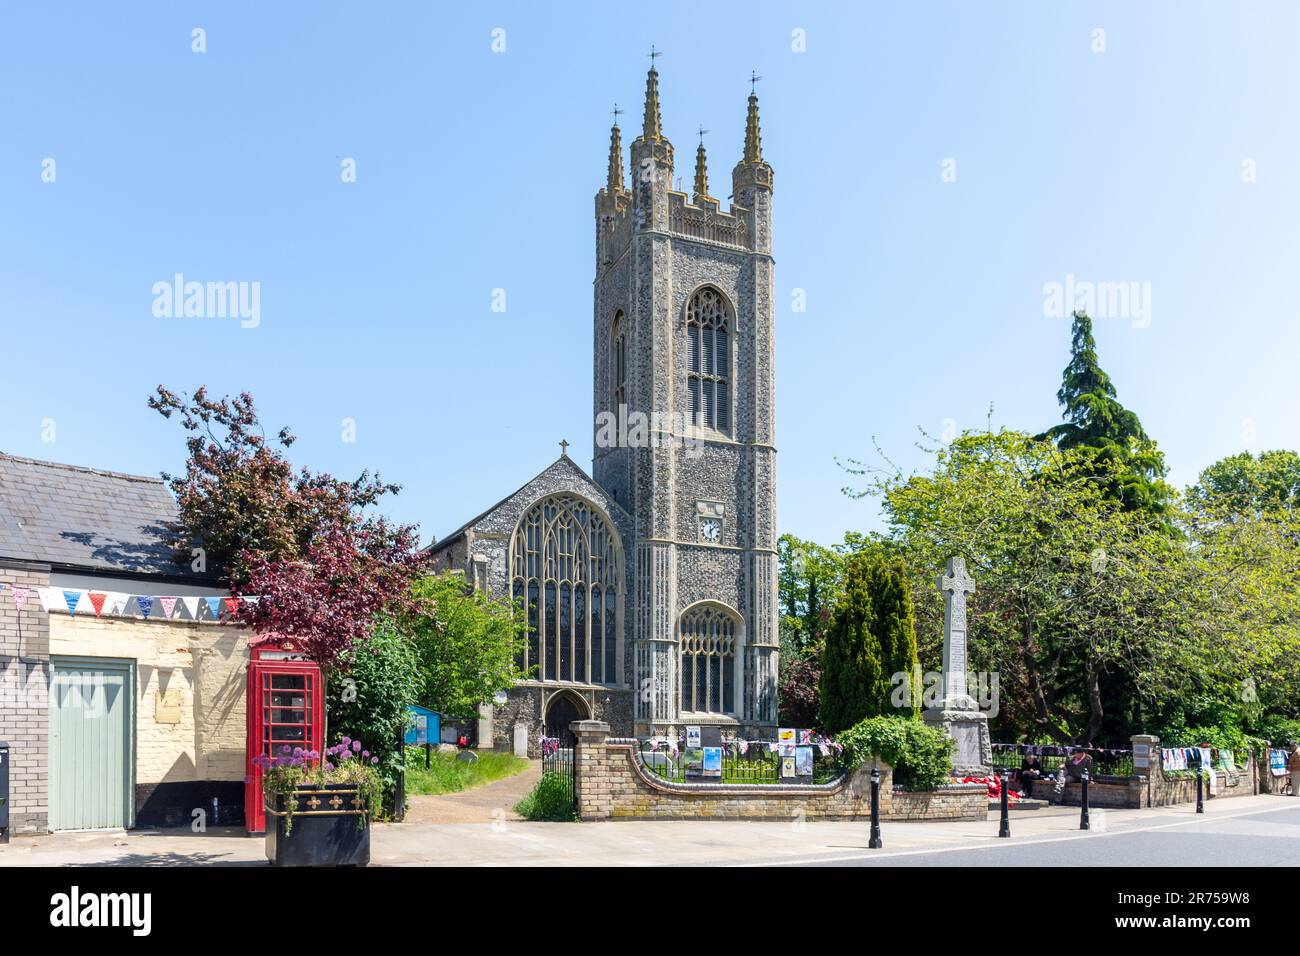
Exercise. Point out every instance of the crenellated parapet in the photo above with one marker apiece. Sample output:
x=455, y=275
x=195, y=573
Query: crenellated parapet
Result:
x=704, y=220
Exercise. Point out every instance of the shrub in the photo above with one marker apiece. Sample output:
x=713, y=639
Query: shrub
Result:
x=1279, y=731
x=551, y=800
x=920, y=755
x=369, y=701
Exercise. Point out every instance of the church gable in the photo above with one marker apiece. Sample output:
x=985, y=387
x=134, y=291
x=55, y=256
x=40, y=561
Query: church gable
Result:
x=480, y=548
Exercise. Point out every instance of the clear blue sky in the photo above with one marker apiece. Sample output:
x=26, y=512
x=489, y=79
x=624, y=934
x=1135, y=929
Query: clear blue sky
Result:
x=476, y=170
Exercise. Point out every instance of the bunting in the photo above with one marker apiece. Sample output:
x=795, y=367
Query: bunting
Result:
x=118, y=603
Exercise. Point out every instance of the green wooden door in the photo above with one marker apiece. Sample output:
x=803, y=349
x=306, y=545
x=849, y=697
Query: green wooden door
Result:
x=91, y=735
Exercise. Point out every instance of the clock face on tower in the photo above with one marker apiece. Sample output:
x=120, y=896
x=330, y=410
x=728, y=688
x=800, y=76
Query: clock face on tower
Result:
x=710, y=530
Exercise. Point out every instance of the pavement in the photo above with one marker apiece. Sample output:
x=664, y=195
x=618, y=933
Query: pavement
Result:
x=1253, y=831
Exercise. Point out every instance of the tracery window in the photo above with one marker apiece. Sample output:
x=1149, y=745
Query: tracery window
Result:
x=708, y=671
x=708, y=323
x=564, y=567
x=618, y=361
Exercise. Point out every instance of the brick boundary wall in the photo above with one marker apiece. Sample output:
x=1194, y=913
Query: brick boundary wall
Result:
x=1148, y=786
x=1158, y=790
x=24, y=697
x=610, y=784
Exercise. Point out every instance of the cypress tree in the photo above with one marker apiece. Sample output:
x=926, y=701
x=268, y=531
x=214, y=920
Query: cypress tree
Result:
x=872, y=636
x=894, y=633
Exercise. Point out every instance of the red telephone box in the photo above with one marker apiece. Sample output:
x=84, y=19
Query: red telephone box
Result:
x=284, y=709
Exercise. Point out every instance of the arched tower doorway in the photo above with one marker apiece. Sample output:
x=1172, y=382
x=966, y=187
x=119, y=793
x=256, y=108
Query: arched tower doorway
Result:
x=561, y=711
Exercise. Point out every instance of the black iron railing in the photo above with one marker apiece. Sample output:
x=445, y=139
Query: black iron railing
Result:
x=757, y=763
x=1106, y=761
x=558, y=763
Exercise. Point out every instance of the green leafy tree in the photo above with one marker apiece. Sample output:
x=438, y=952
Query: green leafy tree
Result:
x=1079, y=601
x=1245, y=485
x=368, y=698
x=466, y=647
x=1125, y=458
x=808, y=582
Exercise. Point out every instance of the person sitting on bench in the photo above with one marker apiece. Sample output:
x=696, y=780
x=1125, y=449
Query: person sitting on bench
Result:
x=1031, y=769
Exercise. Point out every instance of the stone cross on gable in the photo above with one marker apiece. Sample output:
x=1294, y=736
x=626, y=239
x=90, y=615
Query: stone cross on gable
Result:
x=955, y=584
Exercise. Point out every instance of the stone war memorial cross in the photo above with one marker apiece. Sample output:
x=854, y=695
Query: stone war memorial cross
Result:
x=955, y=584
x=958, y=713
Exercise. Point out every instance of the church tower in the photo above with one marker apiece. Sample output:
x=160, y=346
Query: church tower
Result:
x=684, y=440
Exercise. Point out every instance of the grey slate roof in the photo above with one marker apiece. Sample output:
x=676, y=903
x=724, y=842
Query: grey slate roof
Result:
x=82, y=518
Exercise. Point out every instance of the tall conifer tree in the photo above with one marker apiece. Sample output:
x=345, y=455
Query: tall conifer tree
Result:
x=872, y=636
x=1095, y=421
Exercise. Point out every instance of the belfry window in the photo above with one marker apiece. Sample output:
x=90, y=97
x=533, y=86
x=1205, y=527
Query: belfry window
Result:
x=708, y=322
x=708, y=665
x=618, y=361
x=564, y=568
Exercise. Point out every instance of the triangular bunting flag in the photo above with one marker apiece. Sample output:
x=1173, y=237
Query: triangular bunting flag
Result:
x=97, y=602
x=145, y=603
x=214, y=605
x=232, y=605
x=71, y=598
x=168, y=606
x=44, y=595
x=191, y=605
x=20, y=595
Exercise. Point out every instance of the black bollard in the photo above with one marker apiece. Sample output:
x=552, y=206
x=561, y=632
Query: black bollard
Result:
x=875, y=843
x=1200, y=786
x=428, y=747
x=1005, y=829
x=1084, y=822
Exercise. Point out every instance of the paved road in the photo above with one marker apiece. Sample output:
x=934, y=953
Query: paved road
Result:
x=1242, y=831
x=1256, y=839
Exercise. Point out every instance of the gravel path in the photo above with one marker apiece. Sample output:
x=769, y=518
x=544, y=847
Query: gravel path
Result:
x=486, y=804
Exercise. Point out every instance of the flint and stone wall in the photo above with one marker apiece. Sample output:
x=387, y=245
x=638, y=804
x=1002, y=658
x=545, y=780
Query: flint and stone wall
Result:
x=611, y=784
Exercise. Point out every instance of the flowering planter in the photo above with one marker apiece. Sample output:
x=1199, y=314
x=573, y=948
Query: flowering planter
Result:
x=330, y=826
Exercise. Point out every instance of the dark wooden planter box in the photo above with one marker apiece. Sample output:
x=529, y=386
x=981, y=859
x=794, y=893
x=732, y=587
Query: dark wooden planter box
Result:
x=331, y=827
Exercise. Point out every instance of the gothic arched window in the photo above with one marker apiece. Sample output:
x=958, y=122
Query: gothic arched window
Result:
x=564, y=568
x=708, y=322
x=708, y=672
x=618, y=361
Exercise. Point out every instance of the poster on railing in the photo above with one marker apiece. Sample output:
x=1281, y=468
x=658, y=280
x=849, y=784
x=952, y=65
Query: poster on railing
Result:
x=1277, y=763
x=712, y=762
x=692, y=737
x=803, y=761
x=788, y=769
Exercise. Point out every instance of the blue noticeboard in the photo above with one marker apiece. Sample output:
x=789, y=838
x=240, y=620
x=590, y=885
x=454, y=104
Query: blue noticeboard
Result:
x=426, y=727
